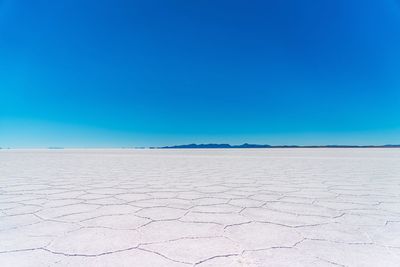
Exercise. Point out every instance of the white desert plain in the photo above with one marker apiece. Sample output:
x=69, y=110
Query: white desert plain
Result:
x=235, y=207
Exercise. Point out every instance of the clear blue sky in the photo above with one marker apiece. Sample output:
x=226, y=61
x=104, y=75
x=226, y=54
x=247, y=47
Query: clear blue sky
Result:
x=140, y=73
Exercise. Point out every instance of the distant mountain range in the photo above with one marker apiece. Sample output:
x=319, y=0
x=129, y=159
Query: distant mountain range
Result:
x=246, y=145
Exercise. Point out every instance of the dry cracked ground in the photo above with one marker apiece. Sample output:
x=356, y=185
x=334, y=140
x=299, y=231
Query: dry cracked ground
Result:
x=276, y=207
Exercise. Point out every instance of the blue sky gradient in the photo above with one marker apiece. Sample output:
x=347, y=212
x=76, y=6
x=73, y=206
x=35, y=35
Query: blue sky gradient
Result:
x=148, y=73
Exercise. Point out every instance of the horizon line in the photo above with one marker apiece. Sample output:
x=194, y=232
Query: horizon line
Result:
x=207, y=146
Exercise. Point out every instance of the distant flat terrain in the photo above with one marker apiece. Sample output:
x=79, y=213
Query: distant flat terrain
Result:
x=237, y=207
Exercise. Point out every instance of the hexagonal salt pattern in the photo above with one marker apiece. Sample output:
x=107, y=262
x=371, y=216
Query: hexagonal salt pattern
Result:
x=255, y=207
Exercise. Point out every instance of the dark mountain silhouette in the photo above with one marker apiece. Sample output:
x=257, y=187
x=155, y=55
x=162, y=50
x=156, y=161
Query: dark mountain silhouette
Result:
x=246, y=145
x=218, y=146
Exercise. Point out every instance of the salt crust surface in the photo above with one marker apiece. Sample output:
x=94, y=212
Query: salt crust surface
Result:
x=237, y=207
